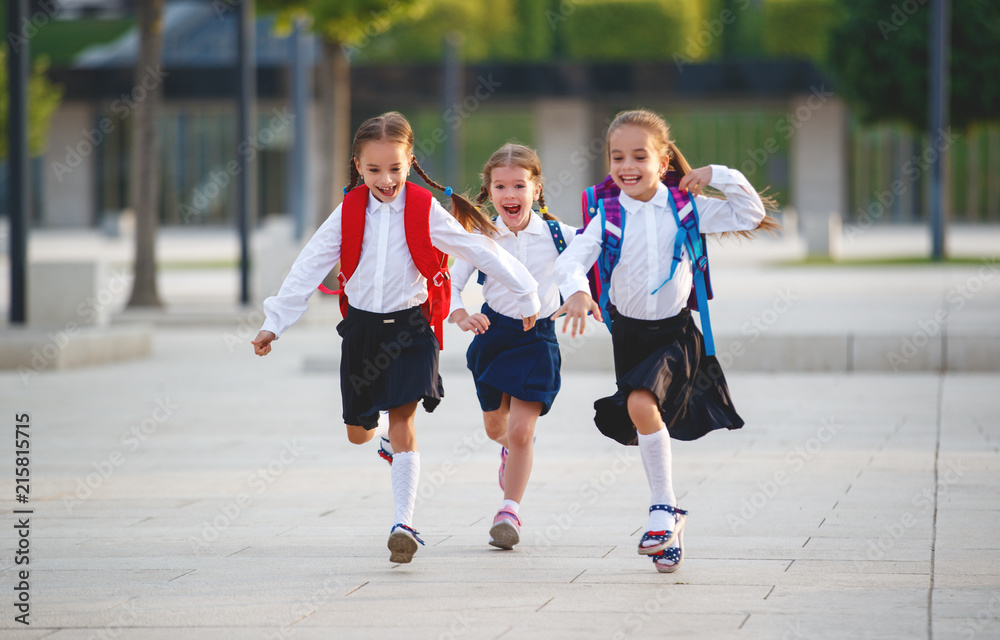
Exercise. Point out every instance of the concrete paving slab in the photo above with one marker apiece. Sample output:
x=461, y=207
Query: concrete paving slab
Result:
x=182, y=535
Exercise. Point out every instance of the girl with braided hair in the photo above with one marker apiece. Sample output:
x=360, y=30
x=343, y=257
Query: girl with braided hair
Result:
x=392, y=239
x=516, y=372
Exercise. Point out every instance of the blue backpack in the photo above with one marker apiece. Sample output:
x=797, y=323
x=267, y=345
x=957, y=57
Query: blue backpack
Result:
x=602, y=200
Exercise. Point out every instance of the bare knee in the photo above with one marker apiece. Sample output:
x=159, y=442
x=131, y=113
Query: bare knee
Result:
x=520, y=434
x=359, y=435
x=495, y=423
x=642, y=401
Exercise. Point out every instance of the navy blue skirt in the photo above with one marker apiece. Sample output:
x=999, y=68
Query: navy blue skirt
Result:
x=507, y=359
x=668, y=358
x=387, y=360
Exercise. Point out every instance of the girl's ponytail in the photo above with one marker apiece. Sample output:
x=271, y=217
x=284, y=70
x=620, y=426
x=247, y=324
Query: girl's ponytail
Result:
x=677, y=160
x=769, y=225
x=464, y=211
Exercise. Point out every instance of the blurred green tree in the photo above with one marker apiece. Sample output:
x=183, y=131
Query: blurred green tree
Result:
x=43, y=101
x=347, y=28
x=879, y=54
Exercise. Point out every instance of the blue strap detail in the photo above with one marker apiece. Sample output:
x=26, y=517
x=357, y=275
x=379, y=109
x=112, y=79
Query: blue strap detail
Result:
x=610, y=252
x=557, y=235
x=416, y=536
x=688, y=235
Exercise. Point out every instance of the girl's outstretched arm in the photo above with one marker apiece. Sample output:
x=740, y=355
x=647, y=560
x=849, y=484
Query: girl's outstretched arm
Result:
x=449, y=236
x=570, y=271
x=314, y=263
x=742, y=210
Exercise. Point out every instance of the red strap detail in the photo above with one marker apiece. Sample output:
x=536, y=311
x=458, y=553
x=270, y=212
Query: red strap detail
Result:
x=324, y=289
x=352, y=223
x=431, y=263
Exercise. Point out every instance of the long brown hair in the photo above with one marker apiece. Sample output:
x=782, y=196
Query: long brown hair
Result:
x=517, y=155
x=660, y=132
x=393, y=127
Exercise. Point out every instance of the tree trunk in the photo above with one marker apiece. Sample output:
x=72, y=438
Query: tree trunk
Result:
x=335, y=127
x=335, y=133
x=145, y=178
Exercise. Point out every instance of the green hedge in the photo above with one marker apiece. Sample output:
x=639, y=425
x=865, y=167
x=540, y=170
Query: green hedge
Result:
x=799, y=28
x=617, y=30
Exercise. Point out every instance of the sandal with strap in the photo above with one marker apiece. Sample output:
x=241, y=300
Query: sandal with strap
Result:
x=506, y=531
x=403, y=543
x=670, y=559
x=384, y=451
x=663, y=538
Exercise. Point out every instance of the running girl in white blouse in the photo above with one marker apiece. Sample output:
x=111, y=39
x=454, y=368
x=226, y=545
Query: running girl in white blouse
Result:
x=667, y=385
x=516, y=372
x=391, y=237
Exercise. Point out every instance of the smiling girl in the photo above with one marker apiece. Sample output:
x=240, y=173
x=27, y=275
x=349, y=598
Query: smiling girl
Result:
x=516, y=372
x=667, y=385
x=391, y=237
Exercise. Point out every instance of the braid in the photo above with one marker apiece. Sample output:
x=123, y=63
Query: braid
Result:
x=483, y=196
x=463, y=210
x=541, y=206
x=420, y=172
x=355, y=175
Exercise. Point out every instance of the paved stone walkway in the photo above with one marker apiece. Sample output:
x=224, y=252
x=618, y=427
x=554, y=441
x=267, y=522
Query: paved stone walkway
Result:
x=205, y=493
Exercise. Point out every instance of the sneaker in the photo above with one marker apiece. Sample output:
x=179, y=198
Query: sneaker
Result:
x=654, y=542
x=506, y=531
x=670, y=559
x=402, y=543
x=503, y=465
x=385, y=450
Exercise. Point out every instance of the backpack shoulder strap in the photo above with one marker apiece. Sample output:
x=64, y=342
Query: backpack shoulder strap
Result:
x=352, y=224
x=430, y=261
x=689, y=236
x=557, y=235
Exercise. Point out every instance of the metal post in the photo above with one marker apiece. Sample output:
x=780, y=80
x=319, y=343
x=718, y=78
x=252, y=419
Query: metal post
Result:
x=17, y=160
x=452, y=78
x=301, y=90
x=246, y=62
x=938, y=121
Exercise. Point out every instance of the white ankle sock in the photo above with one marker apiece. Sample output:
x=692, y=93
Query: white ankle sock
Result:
x=656, y=460
x=387, y=445
x=405, y=475
x=511, y=506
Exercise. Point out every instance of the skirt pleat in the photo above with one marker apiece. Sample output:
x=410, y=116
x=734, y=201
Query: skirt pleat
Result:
x=387, y=360
x=508, y=359
x=668, y=358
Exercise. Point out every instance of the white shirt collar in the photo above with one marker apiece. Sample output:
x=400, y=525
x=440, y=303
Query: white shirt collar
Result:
x=535, y=226
x=396, y=206
x=659, y=200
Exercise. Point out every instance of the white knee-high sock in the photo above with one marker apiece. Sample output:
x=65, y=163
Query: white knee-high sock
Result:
x=405, y=475
x=656, y=460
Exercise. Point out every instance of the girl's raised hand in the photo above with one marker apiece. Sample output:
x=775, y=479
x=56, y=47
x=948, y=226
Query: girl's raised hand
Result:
x=576, y=309
x=262, y=343
x=477, y=323
x=696, y=180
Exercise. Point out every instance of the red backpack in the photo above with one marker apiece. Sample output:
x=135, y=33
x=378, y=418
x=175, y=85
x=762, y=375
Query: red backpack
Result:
x=431, y=263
